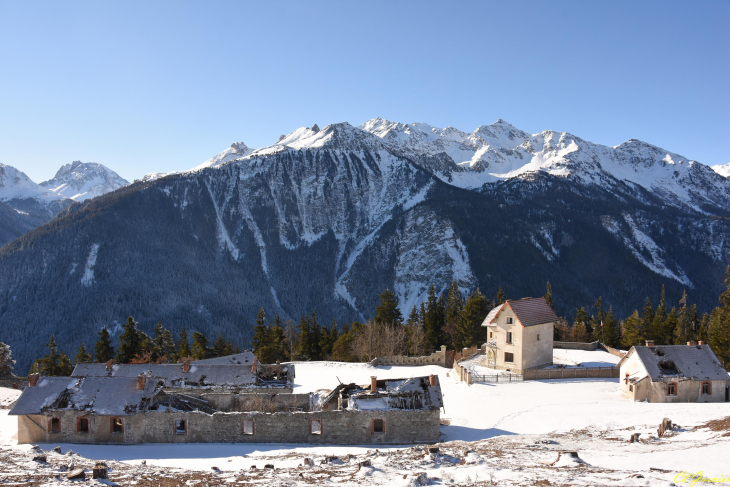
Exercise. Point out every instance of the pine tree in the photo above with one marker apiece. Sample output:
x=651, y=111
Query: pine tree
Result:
x=500, y=299
x=342, y=349
x=414, y=326
x=610, y=328
x=183, y=346
x=598, y=333
x=305, y=339
x=647, y=319
x=157, y=341
x=683, y=329
x=6, y=361
x=387, y=312
x=433, y=320
x=703, y=328
x=82, y=356
x=549, y=296
x=658, y=324
x=718, y=333
x=130, y=342
x=200, y=346
x=276, y=341
x=470, y=321
x=219, y=347
x=167, y=348
x=316, y=338
x=454, y=305
x=65, y=365
x=632, y=331
x=580, y=330
x=103, y=350
x=50, y=364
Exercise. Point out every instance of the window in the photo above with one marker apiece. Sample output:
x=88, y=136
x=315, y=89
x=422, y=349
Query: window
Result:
x=490, y=334
x=509, y=337
x=247, y=427
x=378, y=426
x=509, y=320
x=672, y=389
x=181, y=427
x=509, y=357
x=115, y=425
x=538, y=337
x=82, y=425
x=706, y=388
x=315, y=427
x=631, y=388
x=54, y=425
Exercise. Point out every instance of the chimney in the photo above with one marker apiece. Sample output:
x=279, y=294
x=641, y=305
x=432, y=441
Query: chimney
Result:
x=432, y=380
x=141, y=380
x=186, y=365
x=15, y=385
x=278, y=363
x=254, y=366
x=109, y=364
x=33, y=379
x=373, y=384
x=700, y=342
x=689, y=344
x=650, y=343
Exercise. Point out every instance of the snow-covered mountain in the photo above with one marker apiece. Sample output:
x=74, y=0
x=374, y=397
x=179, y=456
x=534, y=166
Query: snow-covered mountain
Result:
x=237, y=150
x=15, y=184
x=81, y=181
x=722, y=169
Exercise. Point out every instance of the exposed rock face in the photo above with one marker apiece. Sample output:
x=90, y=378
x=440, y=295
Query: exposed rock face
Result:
x=81, y=181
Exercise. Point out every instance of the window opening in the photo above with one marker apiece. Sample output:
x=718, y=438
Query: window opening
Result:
x=315, y=427
x=509, y=337
x=181, y=427
x=83, y=425
x=117, y=426
x=378, y=426
x=247, y=428
x=538, y=337
x=509, y=357
x=671, y=389
x=509, y=320
x=706, y=388
x=55, y=425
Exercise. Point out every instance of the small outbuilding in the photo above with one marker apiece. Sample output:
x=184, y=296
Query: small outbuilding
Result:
x=674, y=373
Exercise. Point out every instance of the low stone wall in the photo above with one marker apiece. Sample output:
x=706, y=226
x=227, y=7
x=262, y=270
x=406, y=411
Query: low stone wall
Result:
x=337, y=427
x=436, y=358
x=571, y=373
x=612, y=351
x=577, y=345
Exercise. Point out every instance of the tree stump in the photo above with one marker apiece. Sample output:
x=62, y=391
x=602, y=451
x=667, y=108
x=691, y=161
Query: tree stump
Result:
x=664, y=427
x=99, y=472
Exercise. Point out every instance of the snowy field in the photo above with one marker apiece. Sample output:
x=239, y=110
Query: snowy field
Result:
x=502, y=431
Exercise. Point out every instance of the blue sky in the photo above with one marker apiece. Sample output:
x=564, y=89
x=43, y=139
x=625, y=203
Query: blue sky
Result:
x=162, y=86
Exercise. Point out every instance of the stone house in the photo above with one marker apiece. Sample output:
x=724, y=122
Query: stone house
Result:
x=200, y=403
x=520, y=335
x=673, y=373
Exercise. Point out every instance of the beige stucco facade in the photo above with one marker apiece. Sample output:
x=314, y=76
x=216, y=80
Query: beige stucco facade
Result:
x=531, y=346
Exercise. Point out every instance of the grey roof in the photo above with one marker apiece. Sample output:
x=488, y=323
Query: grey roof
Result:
x=235, y=359
x=172, y=375
x=666, y=362
x=104, y=396
x=529, y=311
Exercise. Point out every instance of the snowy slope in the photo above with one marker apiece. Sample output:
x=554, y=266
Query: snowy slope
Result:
x=722, y=169
x=80, y=181
x=237, y=150
x=15, y=184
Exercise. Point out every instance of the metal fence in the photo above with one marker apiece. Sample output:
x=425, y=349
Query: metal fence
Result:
x=551, y=374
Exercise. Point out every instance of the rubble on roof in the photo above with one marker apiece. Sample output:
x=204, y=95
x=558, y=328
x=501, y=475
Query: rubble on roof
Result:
x=696, y=362
x=411, y=393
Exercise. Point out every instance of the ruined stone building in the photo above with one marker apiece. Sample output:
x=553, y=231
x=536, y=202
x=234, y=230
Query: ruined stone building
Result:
x=221, y=402
x=520, y=335
x=674, y=373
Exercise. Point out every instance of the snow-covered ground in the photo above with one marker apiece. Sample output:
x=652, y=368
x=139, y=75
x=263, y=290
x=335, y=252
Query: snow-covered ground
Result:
x=8, y=396
x=502, y=431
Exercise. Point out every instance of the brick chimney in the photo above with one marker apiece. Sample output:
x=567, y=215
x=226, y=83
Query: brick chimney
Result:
x=373, y=384
x=141, y=380
x=186, y=365
x=254, y=366
x=33, y=379
x=700, y=342
x=432, y=380
x=109, y=364
x=15, y=385
x=650, y=343
x=692, y=343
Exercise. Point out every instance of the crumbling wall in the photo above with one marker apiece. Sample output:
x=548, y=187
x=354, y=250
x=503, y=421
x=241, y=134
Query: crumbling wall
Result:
x=338, y=427
x=436, y=358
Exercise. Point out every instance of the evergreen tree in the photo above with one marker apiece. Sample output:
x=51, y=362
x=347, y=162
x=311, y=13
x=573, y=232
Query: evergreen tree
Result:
x=703, y=328
x=683, y=330
x=200, y=346
x=610, y=328
x=500, y=299
x=598, y=333
x=130, y=342
x=658, y=324
x=316, y=338
x=387, y=312
x=65, y=365
x=632, y=331
x=647, y=319
x=103, y=350
x=342, y=349
x=219, y=347
x=433, y=320
x=82, y=356
x=580, y=329
x=549, y=296
x=454, y=305
x=415, y=333
x=6, y=361
x=157, y=341
x=672, y=322
x=183, y=346
x=470, y=320
x=276, y=341
x=718, y=333
x=51, y=364
x=167, y=348
x=305, y=339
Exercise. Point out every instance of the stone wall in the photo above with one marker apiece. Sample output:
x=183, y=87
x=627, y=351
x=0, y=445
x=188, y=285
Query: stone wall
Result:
x=611, y=350
x=577, y=345
x=338, y=427
x=436, y=358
